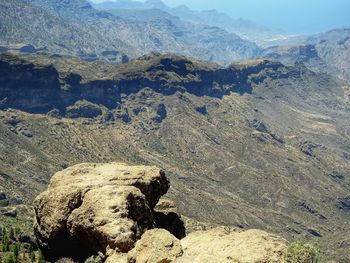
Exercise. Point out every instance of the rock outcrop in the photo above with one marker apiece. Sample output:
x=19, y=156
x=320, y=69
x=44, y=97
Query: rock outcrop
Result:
x=231, y=245
x=156, y=245
x=110, y=210
x=95, y=206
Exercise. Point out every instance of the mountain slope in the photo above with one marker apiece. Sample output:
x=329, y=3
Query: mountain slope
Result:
x=255, y=145
x=80, y=30
x=327, y=52
x=243, y=28
x=25, y=23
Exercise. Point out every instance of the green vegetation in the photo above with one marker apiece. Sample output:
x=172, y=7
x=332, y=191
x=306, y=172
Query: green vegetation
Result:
x=299, y=252
x=13, y=250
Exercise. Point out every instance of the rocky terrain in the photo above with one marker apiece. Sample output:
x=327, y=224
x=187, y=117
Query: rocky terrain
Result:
x=327, y=52
x=244, y=28
x=257, y=144
x=76, y=28
x=108, y=210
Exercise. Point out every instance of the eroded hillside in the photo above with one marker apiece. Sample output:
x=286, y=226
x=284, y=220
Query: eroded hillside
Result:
x=254, y=145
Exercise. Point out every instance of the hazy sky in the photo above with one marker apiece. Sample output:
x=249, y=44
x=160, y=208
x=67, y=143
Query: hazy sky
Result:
x=296, y=16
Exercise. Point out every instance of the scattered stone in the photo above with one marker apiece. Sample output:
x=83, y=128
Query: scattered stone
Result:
x=277, y=138
x=258, y=125
x=314, y=233
x=25, y=132
x=344, y=204
x=308, y=148
x=10, y=213
x=64, y=165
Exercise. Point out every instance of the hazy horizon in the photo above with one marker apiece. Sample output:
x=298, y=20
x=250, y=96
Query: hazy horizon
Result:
x=294, y=16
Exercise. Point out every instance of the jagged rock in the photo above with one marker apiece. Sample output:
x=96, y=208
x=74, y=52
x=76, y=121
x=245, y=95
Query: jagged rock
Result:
x=227, y=245
x=90, y=207
x=167, y=217
x=10, y=213
x=155, y=246
x=308, y=148
x=314, y=233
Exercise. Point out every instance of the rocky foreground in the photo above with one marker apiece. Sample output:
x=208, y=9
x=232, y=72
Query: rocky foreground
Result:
x=113, y=211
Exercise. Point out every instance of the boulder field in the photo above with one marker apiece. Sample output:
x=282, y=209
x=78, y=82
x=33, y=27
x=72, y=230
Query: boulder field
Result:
x=114, y=210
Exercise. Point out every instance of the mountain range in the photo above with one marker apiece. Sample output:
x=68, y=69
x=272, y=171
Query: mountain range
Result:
x=79, y=29
x=254, y=145
x=246, y=29
x=250, y=125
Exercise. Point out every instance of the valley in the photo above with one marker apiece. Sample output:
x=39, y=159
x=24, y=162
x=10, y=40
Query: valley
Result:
x=254, y=145
x=251, y=126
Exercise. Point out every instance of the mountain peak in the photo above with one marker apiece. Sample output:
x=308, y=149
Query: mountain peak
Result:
x=155, y=4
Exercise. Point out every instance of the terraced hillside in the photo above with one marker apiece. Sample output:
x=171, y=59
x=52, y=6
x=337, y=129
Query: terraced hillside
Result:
x=254, y=145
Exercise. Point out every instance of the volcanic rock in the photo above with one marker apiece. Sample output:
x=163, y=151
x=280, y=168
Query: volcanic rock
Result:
x=95, y=206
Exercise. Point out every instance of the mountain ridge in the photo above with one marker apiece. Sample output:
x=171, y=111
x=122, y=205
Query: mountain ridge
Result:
x=246, y=29
x=83, y=31
x=272, y=157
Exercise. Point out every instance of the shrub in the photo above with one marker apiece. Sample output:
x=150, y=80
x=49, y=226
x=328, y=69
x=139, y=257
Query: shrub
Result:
x=10, y=258
x=5, y=243
x=303, y=253
x=15, y=250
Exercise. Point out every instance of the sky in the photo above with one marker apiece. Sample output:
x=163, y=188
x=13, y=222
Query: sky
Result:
x=293, y=16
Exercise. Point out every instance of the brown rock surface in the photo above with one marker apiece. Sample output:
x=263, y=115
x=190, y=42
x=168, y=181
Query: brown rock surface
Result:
x=110, y=208
x=221, y=244
x=166, y=216
x=93, y=206
x=228, y=245
x=156, y=246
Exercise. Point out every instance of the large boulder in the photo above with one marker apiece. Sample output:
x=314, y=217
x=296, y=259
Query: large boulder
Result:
x=221, y=244
x=155, y=246
x=88, y=208
x=227, y=245
x=114, y=211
